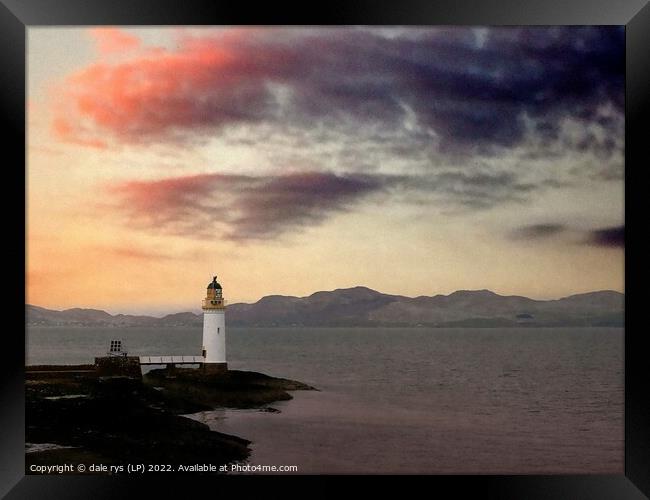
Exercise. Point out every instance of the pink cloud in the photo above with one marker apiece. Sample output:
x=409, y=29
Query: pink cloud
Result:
x=113, y=40
x=64, y=129
x=240, y=207
x=159, y=93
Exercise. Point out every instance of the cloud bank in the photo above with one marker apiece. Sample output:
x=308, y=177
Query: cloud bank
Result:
x=249, y=207
x=246, y=207
x=457, y=117
x=612, y=237
x=462, y=94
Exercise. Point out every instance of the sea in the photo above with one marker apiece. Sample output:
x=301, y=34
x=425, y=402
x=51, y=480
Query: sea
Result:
x=406, y=400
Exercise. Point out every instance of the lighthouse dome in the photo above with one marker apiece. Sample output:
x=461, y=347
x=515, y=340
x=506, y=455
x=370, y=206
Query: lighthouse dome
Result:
x=214, y=284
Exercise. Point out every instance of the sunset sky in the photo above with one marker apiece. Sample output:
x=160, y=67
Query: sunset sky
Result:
x=414, y=161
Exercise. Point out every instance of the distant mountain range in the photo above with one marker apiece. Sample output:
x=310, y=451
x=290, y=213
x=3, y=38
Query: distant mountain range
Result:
x=361, y=306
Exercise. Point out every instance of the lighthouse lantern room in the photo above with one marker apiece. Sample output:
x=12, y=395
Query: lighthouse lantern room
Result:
x=214, y=328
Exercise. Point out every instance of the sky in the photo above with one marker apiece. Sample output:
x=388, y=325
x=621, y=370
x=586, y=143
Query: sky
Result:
x=414, y=161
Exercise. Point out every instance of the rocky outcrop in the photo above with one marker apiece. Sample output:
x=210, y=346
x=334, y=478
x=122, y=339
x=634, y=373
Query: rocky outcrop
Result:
x=117, y=420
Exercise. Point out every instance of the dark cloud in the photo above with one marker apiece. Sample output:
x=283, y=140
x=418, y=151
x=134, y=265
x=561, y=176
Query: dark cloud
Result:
x=468, y=98
x=472, y=190
x=613, y=237
x=243, y=207
x=240, y=207
x=538, y=231
x=296, y=201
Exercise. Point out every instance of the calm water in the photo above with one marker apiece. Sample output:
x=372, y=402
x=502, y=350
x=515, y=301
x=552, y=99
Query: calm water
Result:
x=393, y=400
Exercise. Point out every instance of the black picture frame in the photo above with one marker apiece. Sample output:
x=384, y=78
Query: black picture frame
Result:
x=18, y=15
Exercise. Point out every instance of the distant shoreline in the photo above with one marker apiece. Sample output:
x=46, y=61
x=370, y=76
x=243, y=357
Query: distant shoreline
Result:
x=363, y=307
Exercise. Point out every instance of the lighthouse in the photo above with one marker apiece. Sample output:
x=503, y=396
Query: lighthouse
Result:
x=214, y=328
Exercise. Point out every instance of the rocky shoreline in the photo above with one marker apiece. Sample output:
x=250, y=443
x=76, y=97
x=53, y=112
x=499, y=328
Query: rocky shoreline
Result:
x=79, y=418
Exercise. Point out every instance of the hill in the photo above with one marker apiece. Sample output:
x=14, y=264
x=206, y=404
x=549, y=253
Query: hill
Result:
x=361, y=306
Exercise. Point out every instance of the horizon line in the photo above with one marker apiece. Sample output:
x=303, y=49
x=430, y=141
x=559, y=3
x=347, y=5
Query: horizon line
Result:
x=328, y=291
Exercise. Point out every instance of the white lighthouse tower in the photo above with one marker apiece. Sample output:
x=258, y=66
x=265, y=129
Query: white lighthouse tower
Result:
x=214, y=329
